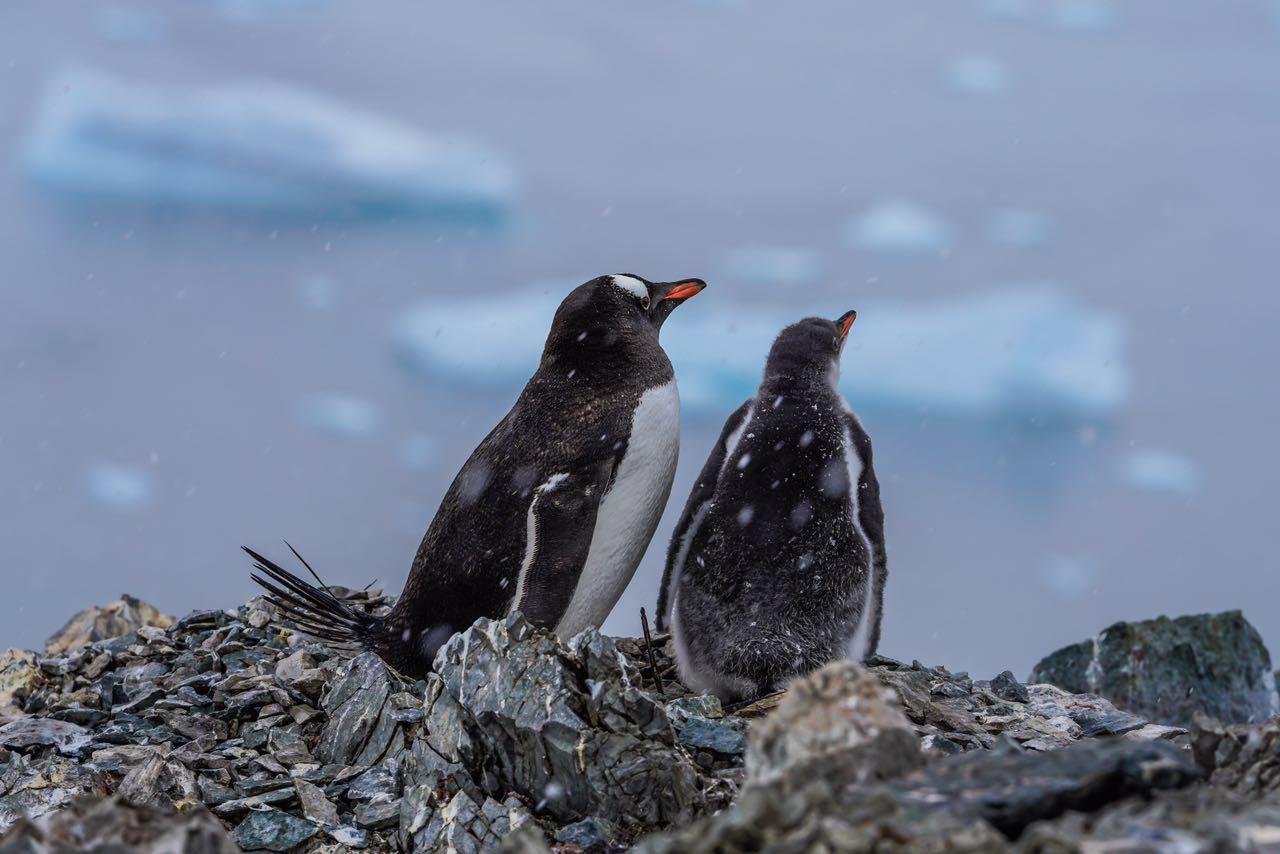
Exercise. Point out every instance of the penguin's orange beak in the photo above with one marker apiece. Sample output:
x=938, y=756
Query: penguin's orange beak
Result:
x=846, y=323
x=685, y=289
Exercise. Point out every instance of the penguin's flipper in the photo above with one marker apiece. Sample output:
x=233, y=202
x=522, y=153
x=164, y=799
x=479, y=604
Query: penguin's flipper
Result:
x=703, y=489
x=871, y=521
x=562, y=520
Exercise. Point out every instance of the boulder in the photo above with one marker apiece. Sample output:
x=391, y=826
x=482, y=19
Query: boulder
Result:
x=95, y=623
x=1170, y=670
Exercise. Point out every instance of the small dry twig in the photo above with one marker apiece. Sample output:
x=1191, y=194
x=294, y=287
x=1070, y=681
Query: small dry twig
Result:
x=648, y=648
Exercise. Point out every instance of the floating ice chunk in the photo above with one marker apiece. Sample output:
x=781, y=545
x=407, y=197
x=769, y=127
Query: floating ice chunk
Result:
x=338, y=415
x=251, y=9
x=118, y=487
x=1084, y=16
x=252, y=147
x=1023, y=228
x=129, y=26
x=318, y=293
x=1008, y=10
x=419, y=451
x=1160, y=471
x=977, y=74
x=1031, y=351
x=1070, y=577
x=900, y=227
x=770, y=266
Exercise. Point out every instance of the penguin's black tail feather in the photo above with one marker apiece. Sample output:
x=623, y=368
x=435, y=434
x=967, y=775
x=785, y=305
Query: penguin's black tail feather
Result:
x=312, y=609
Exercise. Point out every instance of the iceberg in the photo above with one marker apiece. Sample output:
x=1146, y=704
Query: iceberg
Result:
x=1084, y=16
x=1160, y=471
x=899, y=227
x=1032, y=352
x=977, y=74
x=769, y=266
x=121, y=488
x=1022, y=228
x=339, y=415
x=252, y=147
x=419, y=451
x=1069, y=576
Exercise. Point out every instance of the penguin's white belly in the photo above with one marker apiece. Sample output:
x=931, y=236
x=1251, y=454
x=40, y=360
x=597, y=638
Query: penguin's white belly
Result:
x=629, y=511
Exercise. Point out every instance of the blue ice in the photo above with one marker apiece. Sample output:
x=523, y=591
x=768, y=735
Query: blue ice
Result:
x=899, y=227
x=769, y=266
x=1069, y=577
x=123, y=488
x=1031, y=351
x=339, y=415
x=1160, y=471
x=977, y=74
x=1084, y=16
x=1022, y=228
x=419, y=451
x=318, y=292
x=257, y=147
x=130, y=26
x=251, y=9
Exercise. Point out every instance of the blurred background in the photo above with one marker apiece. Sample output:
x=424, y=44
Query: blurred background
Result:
x=272, y=268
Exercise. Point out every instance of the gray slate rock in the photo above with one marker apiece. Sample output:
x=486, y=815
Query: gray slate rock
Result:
x=591, y=834
x=68, y=738
x=566, y=726
x=359, y=726
x=702, y=734
x=113, y=825
x=974, y=803
x=272, y=830
x=1243, y=757
x=1170, y=670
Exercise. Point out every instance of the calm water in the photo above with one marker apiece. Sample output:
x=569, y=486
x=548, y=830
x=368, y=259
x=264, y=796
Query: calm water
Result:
x=656, y=137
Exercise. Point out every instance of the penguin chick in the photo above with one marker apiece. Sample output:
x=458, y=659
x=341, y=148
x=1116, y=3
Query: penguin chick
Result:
x=553, y=511
x=777, y=565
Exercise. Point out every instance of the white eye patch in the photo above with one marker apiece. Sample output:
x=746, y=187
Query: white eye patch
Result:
x=631, y=285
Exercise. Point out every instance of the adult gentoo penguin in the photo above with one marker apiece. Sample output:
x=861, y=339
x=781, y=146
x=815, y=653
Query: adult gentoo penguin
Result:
x=553, y=511
x=777, y=565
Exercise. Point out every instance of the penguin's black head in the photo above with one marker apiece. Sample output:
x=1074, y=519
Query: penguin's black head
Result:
x=809, y=350
x=613, y=313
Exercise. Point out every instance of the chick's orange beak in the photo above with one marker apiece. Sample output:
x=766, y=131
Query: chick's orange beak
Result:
x=846, y=323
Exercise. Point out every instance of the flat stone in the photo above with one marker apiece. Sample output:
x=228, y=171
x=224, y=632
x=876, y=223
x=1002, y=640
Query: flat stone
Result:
x=272, y=830
x=590, y=834
x=68, y=738
x=703, y=734
x=316, y=808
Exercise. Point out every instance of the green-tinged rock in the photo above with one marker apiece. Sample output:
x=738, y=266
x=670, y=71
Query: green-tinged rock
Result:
x=272, y=830
x=702, y=734
x=1170, y=670
x=590, y=834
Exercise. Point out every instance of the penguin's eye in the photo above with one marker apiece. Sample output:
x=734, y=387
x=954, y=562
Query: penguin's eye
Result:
x=644, y=302
x=835, y=342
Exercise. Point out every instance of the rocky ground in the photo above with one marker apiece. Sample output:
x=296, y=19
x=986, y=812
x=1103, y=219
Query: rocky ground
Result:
x=218, y=731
